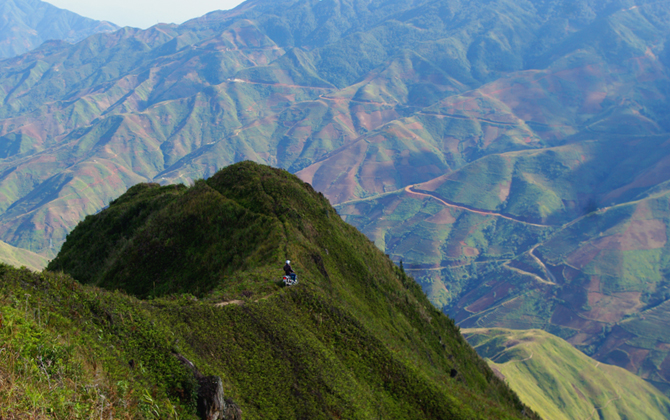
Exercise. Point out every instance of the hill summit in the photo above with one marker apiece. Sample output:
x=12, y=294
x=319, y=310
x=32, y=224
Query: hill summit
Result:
x=356, y=338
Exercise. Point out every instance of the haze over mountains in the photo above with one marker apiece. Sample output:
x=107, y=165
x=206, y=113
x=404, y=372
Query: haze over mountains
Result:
x=513, y=154
x=26, y=24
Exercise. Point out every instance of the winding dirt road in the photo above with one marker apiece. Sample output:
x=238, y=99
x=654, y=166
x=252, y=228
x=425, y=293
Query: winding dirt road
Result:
x=408, y=189
x=551, y=280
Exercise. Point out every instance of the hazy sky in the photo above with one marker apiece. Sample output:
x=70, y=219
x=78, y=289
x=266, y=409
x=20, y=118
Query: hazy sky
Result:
x=143, y=13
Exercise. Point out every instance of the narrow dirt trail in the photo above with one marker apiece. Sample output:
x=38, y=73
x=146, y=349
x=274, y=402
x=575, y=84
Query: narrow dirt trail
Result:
x=490, y=310
x=453, y=266
x=595, y=409
x=229, y=302
x=328, y=98
x=522, y=360
x=469, y=118
x=279, y=84
x=408, y=189
x=551, y=277
x=535, y=276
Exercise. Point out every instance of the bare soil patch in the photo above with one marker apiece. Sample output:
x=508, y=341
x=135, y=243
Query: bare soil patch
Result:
x=636, y=356
x=469, y=251
x=594, y=284
x=640, y=235
x=500, y=292
x=443, y=217
x=498, y=373
x=584, y=255
x=612, y=308
x=230, y=302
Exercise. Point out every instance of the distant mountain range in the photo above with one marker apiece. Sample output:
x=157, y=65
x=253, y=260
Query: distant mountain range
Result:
x=514, y=154
x=26, y=24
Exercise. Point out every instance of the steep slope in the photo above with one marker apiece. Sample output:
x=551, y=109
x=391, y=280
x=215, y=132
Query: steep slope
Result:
x=20, y=257
x=459, y=135
x=599, y=282
x=356, y=338
x=26, y=24
x=561, y=383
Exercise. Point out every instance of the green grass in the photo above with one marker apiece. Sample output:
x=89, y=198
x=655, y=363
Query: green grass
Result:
x=356, y=338
x=60, y=358
x=560, y=382
x=19, y=257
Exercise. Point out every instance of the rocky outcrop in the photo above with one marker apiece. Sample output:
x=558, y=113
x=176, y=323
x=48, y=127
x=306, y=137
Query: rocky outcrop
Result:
x=212, y=403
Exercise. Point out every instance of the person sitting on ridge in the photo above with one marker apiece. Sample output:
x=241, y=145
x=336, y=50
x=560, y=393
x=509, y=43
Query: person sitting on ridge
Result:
x=289, y=271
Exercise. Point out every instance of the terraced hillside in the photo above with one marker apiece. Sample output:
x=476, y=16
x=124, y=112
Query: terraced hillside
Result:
x=355, y=338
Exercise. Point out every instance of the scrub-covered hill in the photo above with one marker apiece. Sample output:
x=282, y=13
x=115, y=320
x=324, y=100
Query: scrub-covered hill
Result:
x=356, y=338
x=562, y=383
x=467, y=138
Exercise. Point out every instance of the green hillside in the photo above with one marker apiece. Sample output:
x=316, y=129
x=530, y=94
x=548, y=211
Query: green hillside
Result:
x=19, y=257
x=561, y=383
x=599, y=282
x=196, y=271
x=468, y=139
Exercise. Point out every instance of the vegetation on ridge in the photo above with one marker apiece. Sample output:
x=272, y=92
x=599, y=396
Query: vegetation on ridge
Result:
x=514, y=119
x=356, y=338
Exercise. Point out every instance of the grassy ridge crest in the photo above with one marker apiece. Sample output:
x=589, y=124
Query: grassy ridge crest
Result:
x=356, y=338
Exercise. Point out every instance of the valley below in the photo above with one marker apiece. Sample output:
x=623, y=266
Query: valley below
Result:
x=513, y=156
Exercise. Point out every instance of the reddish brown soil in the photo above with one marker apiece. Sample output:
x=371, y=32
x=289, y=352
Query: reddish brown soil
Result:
x=615, y=339
x=636, y=357
x=499, y=293
x=612, y=308
x=470, y=251
x=582, y=256
x=568, y=318
x=443, y=217
x=657, y=174
x=594, y=284
x=592, y=102
x=640, y=235
x=665, y=368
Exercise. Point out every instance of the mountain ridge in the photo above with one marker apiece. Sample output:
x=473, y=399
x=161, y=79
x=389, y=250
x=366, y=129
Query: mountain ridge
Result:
x=26, y=24
x=545, y=112
x=319, y=346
